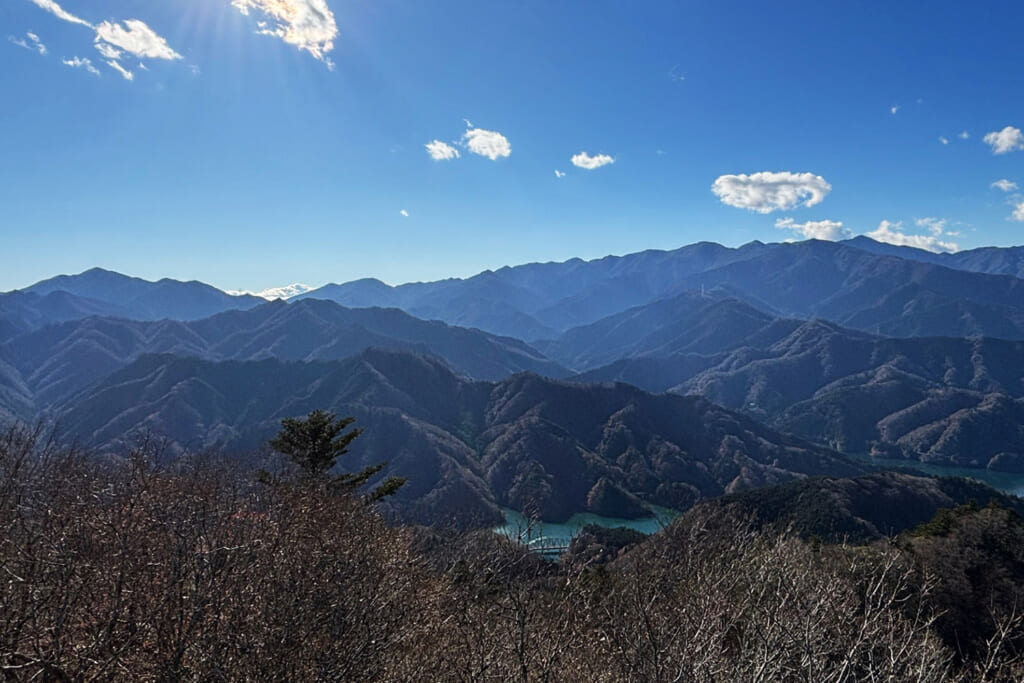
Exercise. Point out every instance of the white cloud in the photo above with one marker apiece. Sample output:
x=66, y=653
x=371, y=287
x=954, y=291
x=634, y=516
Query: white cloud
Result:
x=944, y=140
x=1005, y=185
x=892, y=233
x=815, y=230
x=58, y=11
x=40, y=48
x=108, y=51
x=559, y=174
x=35, y=45
x=307, y=24
x=936, y=226
x=441, y=151
x=585, y=161
x=134, y=37
x=113, y=38
x=894, y=108
x=1018, y=212
x=286, y=292
x=964, y=135
x=404, y=213
x=487, y=143
x=1008, y=139
x=771, y=191
x=116, y=66
x=81, y=63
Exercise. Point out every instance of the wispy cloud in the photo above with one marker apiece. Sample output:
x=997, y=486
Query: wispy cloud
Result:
x=943, y=139
x=404, y=213
x=559, y=174
x=964, y=135
x=33, y=43
x=893, y=109
x=769, y=191
x=585, y=161
x=1005, y=185
x=936, y=226
x=1018, y=212
x=55, y=9
x=108, y=51
x=1008, y=139
x=307, y=24
x=116, y=66
x=441, y=151
x=487, y=143
x=892, y=233
x=815, y=230
x=81, y=63
x=134, y=37
x=113, y=39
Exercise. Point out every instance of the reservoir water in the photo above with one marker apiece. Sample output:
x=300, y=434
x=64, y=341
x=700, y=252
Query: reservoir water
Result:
x=552, y=537
x=519, y=527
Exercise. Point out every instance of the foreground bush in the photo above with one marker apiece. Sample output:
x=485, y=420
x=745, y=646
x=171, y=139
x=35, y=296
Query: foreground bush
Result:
x=128, y=571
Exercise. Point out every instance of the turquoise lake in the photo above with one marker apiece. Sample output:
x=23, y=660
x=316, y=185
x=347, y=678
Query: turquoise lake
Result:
x=518, y=527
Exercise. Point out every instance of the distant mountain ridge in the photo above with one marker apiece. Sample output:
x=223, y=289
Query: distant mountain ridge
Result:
x=104, y=292
x=860, y=283
x=55, y=362
x=991, y=260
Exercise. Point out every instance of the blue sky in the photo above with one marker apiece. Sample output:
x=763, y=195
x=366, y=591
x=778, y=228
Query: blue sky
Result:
x=262, y=142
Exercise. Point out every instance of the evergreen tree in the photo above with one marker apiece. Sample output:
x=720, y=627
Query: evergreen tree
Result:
x=315, y=443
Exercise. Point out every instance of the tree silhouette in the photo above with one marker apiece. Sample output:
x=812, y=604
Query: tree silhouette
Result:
x=315, y=443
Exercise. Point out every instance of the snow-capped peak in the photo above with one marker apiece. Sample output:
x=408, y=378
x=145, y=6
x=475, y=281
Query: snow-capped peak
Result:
x=286, y=292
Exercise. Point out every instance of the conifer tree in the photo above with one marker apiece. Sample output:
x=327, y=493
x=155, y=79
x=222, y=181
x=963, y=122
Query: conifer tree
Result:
x=315, y=443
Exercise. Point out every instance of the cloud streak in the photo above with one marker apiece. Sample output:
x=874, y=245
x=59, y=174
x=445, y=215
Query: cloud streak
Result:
x=112, y=39
x=58, y=11
x=35, y=45
x=308, y=25
x=116, y=66
x=81, y=63
x=590, y=163
x=1005, y=185
x=892, y=233
x=769, y=191
x=815, y=230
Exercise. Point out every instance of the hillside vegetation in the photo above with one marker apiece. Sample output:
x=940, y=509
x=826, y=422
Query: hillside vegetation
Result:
x=126, y=571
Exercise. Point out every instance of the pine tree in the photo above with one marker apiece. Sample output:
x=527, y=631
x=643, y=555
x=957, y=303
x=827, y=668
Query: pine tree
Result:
x=315, y=443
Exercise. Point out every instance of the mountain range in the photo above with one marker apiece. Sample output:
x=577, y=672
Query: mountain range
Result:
x=48, y=366
x=859, y=284
x=857, y=347
x=99, y=292
x=947, y=400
